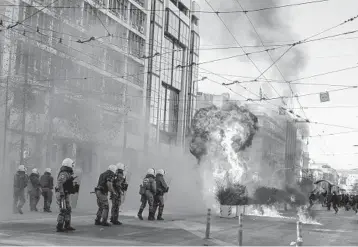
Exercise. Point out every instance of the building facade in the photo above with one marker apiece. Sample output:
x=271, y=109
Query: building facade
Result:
x=324, y=171
x=75, y=81
x=205, y=100
x=266, y=156
x=172, y=69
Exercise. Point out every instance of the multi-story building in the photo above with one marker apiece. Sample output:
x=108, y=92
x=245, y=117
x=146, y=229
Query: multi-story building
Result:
x=77, y=71
x=267, y=153
x=205, y=100
x=348, y=179
x=172, y=69
x=324, y=171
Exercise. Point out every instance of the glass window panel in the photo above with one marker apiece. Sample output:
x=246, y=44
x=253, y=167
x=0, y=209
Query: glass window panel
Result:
x=159, y=12
x=162, y=107
x=172, y=25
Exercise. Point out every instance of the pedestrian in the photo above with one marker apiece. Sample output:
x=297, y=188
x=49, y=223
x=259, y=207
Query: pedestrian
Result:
x=147, y=191
x=105, y=185
x=120, y=186
x=64, y=188
x=34, y=189
x=46, y=181
x=335, y=201
x=162, y=188
x=20, y=183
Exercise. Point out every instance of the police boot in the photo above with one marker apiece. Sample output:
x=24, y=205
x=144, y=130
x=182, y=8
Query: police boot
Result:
x=105, y=223
x=151, y=216
x=115, y=221
x=140, y=214
x=59, y=227
x=159, y=217
x=68, y=227
x=97, y=221
x=19, y=210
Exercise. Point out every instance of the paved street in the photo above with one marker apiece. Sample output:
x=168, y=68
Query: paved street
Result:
x=29, y=229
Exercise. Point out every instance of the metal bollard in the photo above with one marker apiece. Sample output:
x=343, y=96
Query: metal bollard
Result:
x=299, y=241
x=208, y=218
x=240, y=230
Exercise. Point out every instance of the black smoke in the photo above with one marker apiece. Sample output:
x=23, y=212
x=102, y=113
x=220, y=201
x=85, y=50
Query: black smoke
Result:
x=211, y=125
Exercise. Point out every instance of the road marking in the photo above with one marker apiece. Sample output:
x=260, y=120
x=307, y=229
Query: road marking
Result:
x=329, y=230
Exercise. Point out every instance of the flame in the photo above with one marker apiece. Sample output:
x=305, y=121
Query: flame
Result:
x=305, y=218
x=264, y=211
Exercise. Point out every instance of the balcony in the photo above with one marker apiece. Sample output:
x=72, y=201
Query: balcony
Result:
x=195, y=8
x=99, y=2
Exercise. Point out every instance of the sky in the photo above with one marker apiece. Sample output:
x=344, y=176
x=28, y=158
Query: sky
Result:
x=327, y=143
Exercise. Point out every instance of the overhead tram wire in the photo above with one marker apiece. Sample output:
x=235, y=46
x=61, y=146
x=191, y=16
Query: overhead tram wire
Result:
x=237, y=42
x=44, y=7
x=197, y=11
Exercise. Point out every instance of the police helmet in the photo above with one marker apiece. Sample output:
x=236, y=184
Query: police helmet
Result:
x=112, y=168
x=21, y=168
x=68, y=163
x=151, y=171
x=161, y=172
x=120, y=166
x=35, y=171
x=48, y=170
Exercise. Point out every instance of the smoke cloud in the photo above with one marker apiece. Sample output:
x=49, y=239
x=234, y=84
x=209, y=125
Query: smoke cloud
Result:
x=273, y=27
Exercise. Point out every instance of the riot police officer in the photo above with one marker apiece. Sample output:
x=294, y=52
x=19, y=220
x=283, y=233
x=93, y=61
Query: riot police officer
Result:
x=105, y=185
x=147, y=191
x=64, y=188
x=120, y=186
x=162, y=188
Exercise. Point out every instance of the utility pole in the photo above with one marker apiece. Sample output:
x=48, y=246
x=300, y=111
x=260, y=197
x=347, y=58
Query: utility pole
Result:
x=25, y=92
x=6, y=114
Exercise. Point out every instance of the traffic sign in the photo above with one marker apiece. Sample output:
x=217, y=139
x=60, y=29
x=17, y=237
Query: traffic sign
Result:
x=324, y=97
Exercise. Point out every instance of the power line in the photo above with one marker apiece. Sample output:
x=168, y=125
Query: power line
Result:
x=40, y=10
x=268, y=52
x=194, y=11
x=238, y=43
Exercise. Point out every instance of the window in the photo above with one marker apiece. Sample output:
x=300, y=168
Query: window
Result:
x=157, y=48
x=195, y=42
x=178, y=59
x=136, y=45
x=169, y=109
x=172, y=24
x=159, y=12
x=137, y=19
x=154, y=101
x=183, y=8
x=167, y=61
x=184, y=34
x=119, y=7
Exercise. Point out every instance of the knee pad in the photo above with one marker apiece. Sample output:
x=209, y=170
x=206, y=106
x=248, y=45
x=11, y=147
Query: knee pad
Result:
x=63, y=211
x=69, y=210
x=106, y=207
